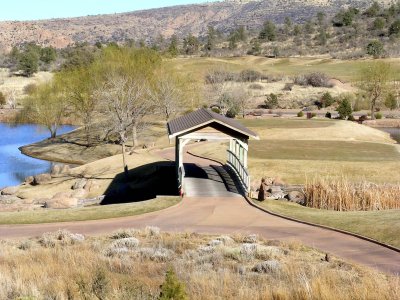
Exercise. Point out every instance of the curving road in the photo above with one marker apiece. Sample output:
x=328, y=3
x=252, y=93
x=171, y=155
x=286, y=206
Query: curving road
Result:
x=228, y=215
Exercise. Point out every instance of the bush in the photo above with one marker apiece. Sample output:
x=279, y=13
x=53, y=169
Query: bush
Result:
x=363, y=118
x=327, y=100
x=351, y=118
x=172, y=288
x=344, y=109
x=328, y=115
x=288, y=87
x=300, y=114
x=272, y=101
x=378, y=116
x=216, y=110
x=231, y=113
x=313, y=115
x=250, y=76
x=316, y=79
x=220, y=76
x=390, y=101
x=2, y=99
x=30, y=89
x=375, y=49
x=256, y=86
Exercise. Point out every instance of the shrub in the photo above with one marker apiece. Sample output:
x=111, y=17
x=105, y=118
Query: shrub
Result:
x=394, y=29
x=378, y=116
x=172, y=288
x=250, y=76
x=351, y=118
x=390, y=101
x=256, y=86
x=2, y=99
x=288, y=86
x=375, y=49
x=272, y=101
x=220, y=76
x=231, y=113
x=328, y=115
x=327, y=99
x=216, y=110
x=30, y=88
x=363, y=118
x=316, y=79
x=344, y=109
x=300, y=114
x=313, y=115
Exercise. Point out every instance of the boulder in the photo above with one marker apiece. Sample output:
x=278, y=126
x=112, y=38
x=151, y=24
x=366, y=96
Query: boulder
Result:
x=62, y=203
x=41, y=179
x=11, y=190
x=65, y=169
x=278, y=182
x=8, y=199
x=80, y=193
x=29, y=180
x=91, y=185
x=268, y=266
x=56, y=170
x=79, y=184
x=278, y=196
x=296, y=197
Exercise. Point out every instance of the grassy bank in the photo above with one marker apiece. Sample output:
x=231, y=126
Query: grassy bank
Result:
x=383, y=226
x=87, y=213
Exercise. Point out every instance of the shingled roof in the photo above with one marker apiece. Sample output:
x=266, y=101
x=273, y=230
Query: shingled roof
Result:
x=202, y=117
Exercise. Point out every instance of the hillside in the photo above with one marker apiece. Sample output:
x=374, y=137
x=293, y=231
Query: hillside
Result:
x=178, y=20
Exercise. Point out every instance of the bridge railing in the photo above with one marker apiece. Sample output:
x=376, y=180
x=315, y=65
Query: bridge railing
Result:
x=237, y=166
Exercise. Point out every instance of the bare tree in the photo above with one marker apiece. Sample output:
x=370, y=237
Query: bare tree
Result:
x=374, y=80
x=241, y=99
x=125, y=102
x=218, y=84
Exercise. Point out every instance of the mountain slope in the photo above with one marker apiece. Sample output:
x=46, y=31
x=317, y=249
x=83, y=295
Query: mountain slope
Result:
x=179, y=20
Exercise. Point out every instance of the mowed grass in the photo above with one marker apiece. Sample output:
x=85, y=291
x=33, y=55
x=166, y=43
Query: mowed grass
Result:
x=323, y=150
x=345, y=70
x=383, y=226
x=299, y=150
x=87, y=213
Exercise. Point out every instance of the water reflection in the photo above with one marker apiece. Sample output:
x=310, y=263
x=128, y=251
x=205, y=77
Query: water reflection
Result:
x=393, y=131
x=14, y=166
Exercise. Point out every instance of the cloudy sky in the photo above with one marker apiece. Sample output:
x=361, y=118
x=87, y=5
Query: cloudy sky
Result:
x=45, y=9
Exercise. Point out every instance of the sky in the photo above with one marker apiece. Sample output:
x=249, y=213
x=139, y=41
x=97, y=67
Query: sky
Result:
x=23, y=10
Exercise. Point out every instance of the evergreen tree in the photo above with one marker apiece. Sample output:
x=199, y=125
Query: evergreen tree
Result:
x=268, y=32
x=344, y=109
x=173, y=49
x=172, y=288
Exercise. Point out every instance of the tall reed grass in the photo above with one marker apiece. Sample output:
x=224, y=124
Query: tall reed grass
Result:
x=344, y=195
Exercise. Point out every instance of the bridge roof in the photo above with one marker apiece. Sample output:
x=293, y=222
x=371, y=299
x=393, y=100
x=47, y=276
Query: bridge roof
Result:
x=203, y=117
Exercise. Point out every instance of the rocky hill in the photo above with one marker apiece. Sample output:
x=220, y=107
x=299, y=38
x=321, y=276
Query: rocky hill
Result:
x=178, y=20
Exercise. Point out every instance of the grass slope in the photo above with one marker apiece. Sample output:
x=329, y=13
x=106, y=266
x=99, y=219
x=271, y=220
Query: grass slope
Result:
x=87, y=213
x=383, y=226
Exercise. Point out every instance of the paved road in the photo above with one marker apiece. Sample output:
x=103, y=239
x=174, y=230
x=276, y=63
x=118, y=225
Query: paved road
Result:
x=228, y=215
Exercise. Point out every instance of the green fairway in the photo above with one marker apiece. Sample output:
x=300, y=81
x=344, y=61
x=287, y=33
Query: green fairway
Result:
x=383, y=226
x=323, y=150
x=87, y=213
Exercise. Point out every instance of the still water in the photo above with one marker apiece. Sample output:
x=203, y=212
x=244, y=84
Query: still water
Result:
x=14, y=166
x=394, y=132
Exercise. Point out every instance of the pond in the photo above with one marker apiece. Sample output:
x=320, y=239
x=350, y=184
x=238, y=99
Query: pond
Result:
x=394, y=132
x=15, y=166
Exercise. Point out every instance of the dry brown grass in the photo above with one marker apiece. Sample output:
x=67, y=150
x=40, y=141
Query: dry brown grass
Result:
x=344, y=195
x=63, y=266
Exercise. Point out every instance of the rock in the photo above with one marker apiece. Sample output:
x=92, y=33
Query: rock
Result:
x=268, y=266
x=65, y=169
x=29, y=180
x=251, y=239
x=8, y=199
x=263, y=190
x=11, y=190
x=278, y=182
x=80, y=193
x=91, y=185
x=278, y=196
x=56, y=170
x=41, y=179
x=296, y=197
x=79, y=184
x=275, y=189
x=62, y=201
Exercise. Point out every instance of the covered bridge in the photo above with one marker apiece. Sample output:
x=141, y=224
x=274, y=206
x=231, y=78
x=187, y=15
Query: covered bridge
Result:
x=206, y=125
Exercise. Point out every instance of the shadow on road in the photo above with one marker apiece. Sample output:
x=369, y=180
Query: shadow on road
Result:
x=143, y=183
